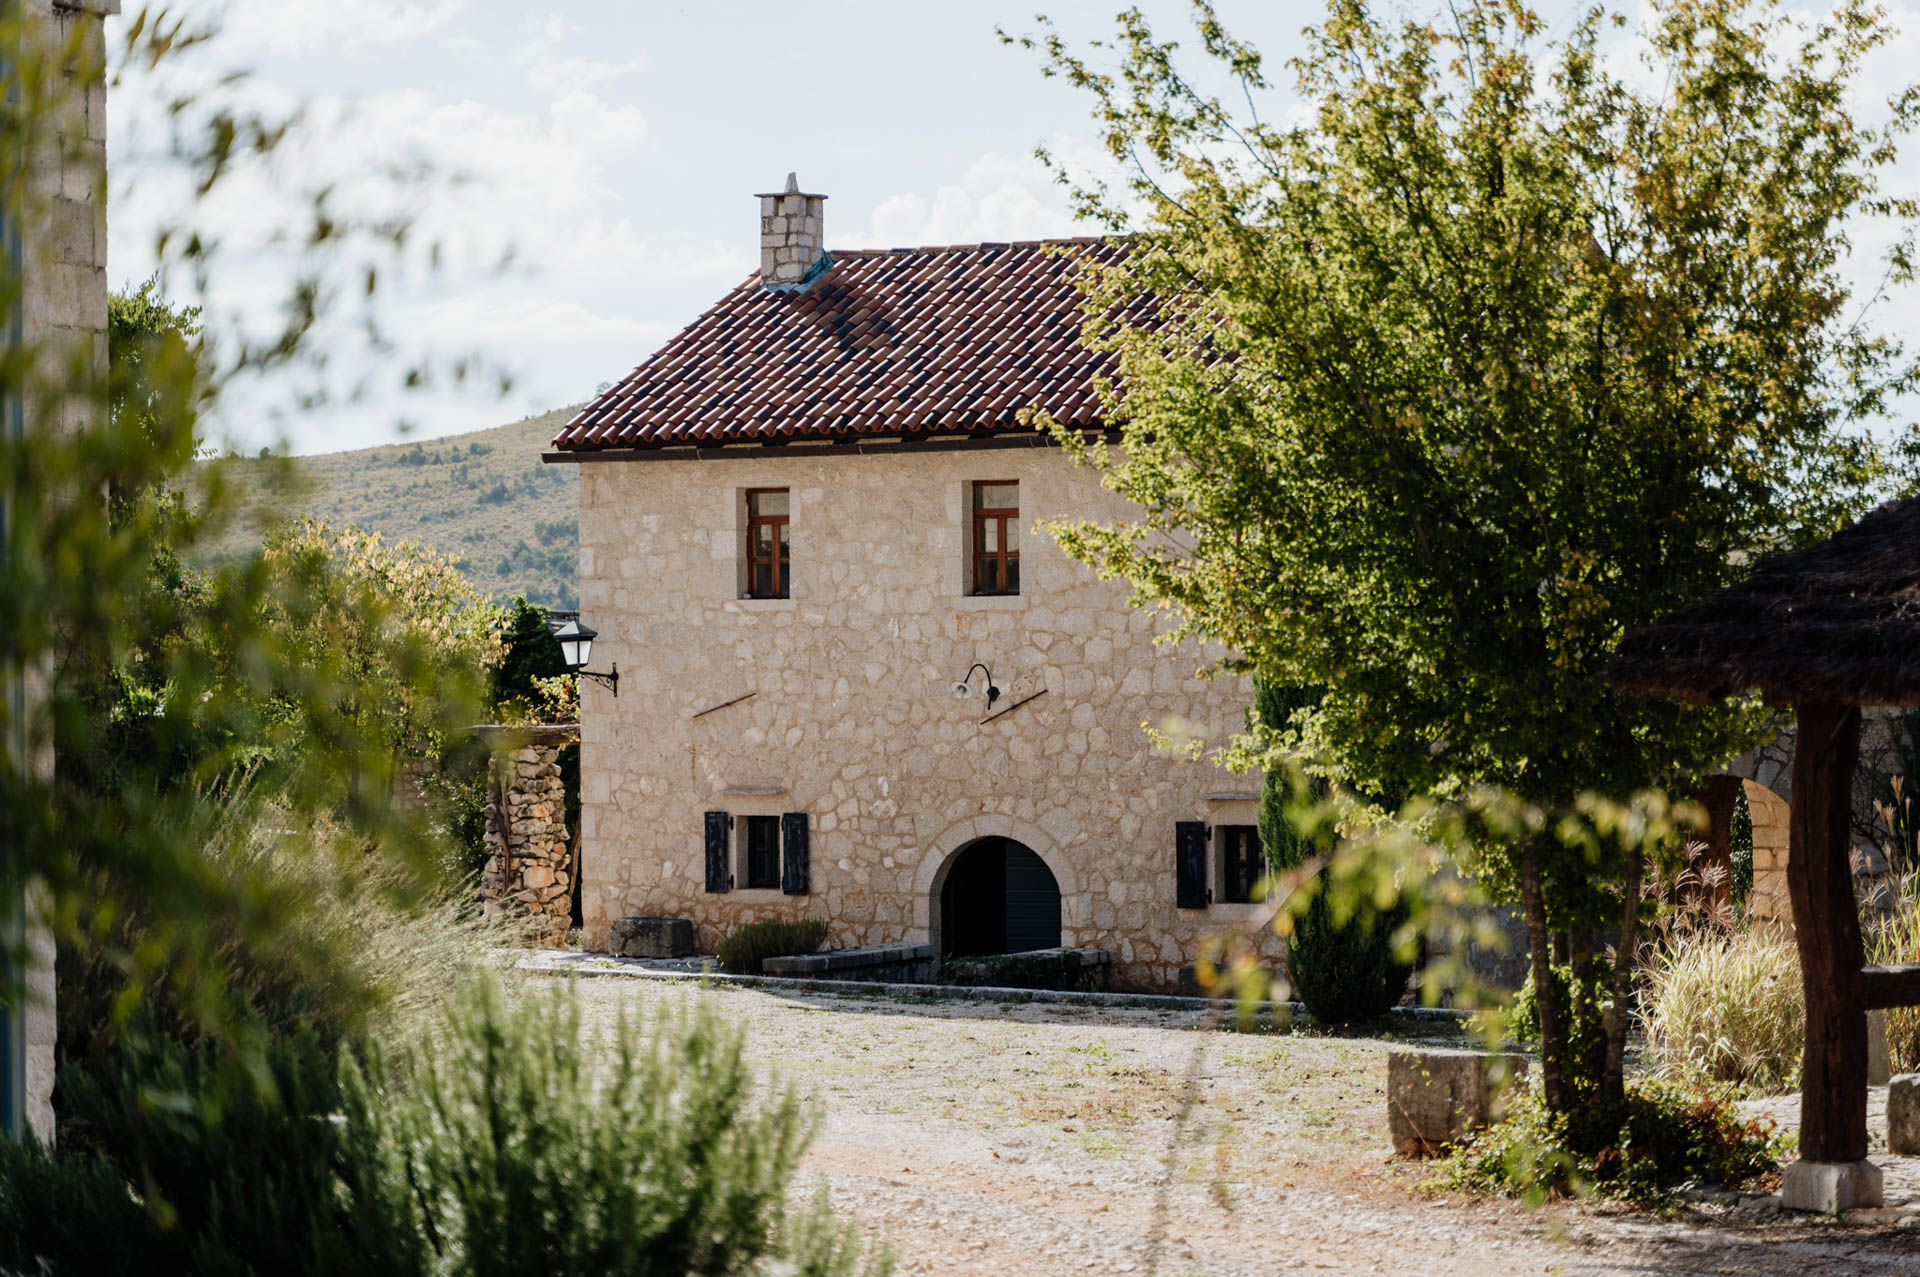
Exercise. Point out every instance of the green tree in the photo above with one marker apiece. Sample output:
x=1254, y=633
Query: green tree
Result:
x=1489, y=358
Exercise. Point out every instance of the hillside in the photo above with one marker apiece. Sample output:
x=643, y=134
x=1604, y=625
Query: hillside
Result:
x=484, y=497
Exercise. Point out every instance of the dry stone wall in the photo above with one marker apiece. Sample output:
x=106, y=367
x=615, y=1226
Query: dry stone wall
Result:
x=842, y=705
x=529, y=871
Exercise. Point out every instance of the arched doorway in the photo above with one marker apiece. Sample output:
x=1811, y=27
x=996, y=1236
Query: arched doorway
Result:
x=998, y=897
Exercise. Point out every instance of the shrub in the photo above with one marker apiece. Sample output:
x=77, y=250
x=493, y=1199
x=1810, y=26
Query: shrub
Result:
x=542, y=1151
x=229, y=1171
x=360, y=947
x=1726, y=1009
x=1045, y=969
x=501, y=1139
x=747, y=946
x=1670, y=1137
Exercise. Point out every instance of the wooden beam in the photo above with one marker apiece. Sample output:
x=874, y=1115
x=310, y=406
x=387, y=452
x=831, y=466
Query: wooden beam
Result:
x=1890, y=986
x=1826, y=923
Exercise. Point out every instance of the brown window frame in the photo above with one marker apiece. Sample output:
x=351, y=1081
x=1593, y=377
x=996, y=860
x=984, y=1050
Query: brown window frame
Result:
x=990, y=568
x=780, y=565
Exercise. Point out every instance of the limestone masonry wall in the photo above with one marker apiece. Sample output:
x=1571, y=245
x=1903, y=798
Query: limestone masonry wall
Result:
x=528, y=870
x=849, y=715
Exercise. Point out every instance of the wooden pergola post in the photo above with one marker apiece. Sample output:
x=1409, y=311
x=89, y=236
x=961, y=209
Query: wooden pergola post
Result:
x=1833, y=1173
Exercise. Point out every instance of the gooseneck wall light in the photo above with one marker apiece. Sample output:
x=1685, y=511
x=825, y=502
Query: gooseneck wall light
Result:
x=576, y=649
x=964, y=688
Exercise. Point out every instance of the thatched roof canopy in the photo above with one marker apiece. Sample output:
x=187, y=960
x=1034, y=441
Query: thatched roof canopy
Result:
x=1837, y=623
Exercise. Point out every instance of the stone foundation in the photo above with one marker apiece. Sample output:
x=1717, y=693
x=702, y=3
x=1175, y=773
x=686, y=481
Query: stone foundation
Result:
x=529, y=870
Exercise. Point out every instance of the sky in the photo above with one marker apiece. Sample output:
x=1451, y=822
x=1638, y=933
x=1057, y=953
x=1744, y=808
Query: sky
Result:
x=613, y=149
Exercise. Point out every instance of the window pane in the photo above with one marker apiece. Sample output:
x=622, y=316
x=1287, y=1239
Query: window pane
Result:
x=784, y=537
x=1012, y=535
x=772, y=501
x=989, y=536
x=763, y=540
x=1013, y=576
x=996, y=496
x=763, y=851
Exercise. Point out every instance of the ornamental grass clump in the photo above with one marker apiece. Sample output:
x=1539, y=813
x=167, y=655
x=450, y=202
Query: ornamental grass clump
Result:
x=1893, y=937
x=1727, y=1009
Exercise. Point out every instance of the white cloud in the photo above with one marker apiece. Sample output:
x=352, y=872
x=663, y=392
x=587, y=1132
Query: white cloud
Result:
x=284, y=26
x=479, y=320
x=999, y=199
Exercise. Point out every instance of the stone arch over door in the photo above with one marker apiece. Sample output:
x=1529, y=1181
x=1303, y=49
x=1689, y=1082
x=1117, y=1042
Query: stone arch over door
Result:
x=1771, y=816
x=944, y=848
x=996, y=896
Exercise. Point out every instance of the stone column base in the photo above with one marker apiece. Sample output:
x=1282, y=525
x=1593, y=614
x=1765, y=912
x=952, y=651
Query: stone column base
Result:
x=1831, y=1187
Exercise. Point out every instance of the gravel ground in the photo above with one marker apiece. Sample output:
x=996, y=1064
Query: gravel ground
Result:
x=1013, y=1139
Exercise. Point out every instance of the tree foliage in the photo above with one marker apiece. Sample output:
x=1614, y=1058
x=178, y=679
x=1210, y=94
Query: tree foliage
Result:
x=1491, y=356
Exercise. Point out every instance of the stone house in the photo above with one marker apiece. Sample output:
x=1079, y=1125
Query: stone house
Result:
x=811, y=538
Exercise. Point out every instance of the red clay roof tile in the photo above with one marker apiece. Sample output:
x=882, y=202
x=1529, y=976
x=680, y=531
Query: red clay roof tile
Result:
x=897, y=342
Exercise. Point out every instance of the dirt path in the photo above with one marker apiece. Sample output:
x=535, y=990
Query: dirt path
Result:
x=997, y=1139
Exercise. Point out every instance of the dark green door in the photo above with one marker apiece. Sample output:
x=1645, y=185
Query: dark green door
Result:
x=1033, y=902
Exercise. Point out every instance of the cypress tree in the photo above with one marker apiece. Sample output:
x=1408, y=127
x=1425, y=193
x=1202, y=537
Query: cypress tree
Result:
x=1344, y=971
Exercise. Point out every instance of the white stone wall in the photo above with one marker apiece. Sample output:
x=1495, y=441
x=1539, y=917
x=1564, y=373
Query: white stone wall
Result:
x=852, y=718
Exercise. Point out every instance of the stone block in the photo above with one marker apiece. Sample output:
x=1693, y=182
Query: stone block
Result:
x=651, y=937
x=1903, y=1115
x=1437, y=1097
x=1827, y=1188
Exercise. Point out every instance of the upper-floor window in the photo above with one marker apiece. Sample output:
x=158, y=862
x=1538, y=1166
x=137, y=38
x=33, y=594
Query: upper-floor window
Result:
x=767, y=561
x=1243, y=864
x=996, y=537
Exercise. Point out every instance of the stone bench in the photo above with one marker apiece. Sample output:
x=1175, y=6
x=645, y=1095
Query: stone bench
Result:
x=1435, y=1098
x=651, y=937
x=880, y=963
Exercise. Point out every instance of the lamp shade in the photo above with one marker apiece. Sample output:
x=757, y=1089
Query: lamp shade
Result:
x=576, y=644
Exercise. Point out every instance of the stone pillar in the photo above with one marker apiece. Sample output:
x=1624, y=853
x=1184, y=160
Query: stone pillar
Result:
x=528, y=868
x=62, y=211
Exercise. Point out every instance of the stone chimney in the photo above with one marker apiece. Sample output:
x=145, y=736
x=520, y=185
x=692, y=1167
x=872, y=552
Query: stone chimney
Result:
x=791, y=240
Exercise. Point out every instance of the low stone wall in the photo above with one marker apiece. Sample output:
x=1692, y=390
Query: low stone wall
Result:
x=880, y=963
x=529, y=869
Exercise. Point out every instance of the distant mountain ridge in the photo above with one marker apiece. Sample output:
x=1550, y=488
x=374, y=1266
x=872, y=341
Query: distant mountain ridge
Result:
x=484, y=497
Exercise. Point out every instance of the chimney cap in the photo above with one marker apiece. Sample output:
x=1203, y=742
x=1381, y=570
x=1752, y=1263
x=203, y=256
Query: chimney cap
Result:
x=793, y=188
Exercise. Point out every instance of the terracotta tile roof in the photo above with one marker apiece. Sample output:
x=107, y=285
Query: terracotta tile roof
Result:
x=883, y=343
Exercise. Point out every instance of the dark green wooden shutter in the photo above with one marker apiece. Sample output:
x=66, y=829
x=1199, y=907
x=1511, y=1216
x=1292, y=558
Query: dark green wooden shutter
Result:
x=793, y=838
x=719, y=874
x=1190, y=864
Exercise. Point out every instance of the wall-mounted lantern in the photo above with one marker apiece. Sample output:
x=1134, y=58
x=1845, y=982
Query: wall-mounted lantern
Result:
x=576, y=649
x=964, y=688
